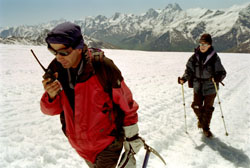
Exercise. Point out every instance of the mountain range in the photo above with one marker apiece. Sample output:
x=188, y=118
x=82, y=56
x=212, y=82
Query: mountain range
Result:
x=168, y=29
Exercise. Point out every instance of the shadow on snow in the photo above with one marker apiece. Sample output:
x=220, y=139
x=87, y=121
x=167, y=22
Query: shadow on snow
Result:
x=236, y=156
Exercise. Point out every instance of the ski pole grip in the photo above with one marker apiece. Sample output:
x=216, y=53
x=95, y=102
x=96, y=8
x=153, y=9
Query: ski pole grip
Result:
x=179, y=81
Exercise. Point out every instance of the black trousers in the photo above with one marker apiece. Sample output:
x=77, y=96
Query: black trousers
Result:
x=203, y=108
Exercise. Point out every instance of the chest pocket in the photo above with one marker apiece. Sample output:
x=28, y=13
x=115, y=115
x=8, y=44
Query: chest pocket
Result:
x=207, y=71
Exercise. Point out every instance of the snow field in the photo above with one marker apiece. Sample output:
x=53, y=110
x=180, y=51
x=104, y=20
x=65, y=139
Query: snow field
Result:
x=30, y=139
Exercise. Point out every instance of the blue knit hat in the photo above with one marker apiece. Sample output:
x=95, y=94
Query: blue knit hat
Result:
x=68, y=34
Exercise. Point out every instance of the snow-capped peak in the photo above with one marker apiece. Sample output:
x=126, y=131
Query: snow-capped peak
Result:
x=222, y=24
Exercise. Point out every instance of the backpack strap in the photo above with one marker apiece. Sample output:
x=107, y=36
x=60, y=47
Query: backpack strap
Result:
x=96, y=54
x=97, y=59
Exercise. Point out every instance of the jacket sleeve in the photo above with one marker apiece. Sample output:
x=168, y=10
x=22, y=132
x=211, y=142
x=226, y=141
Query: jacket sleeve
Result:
x=123, y=97
x=219, y=70
x=121, y=94
x=189, y=71
x=50, y=108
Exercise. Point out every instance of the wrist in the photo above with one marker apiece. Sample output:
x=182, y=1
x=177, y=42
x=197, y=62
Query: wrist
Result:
x=50, y=98
x=132, y=138
x=131, y=131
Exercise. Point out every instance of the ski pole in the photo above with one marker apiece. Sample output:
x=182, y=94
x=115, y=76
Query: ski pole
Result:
x=222, y=116
x=185, y=116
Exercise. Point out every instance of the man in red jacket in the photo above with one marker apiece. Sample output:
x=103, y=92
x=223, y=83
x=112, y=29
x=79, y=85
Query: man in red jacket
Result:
x=89, y=113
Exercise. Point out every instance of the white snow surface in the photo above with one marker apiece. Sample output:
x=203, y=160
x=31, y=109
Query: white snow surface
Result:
x=30, y=139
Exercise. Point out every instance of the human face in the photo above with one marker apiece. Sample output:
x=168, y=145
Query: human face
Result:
x=204, y=47
x=68, y=57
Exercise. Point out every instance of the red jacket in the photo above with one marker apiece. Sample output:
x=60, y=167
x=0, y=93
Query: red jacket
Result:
x=89, y=125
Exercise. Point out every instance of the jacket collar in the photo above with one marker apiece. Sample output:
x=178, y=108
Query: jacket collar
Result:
x=84, y=72
x=209, y=56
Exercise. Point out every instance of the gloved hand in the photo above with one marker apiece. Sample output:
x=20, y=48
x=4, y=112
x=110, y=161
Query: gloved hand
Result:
x=132, y=145
x=181, y=80
x=217, y=78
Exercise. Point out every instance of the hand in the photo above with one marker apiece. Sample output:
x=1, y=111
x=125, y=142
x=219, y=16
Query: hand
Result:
x=135, y=143
x=132, y=141
x=181, y=81
x=52, y=88
x=217, y=78
x=132, y=145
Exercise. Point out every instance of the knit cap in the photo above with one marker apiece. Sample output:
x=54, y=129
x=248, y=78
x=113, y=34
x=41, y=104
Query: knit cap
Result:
x=68, y=34
x=206, y=38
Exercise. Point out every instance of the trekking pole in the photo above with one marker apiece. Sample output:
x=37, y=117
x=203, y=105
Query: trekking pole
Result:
x=185, y=116
x=222, y=116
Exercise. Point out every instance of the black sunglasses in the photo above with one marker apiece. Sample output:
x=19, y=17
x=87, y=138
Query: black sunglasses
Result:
x=204, y=44
x=62, y=52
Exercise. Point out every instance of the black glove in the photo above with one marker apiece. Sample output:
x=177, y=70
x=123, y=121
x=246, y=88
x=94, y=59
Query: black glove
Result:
x=217, y=78
x=179, y=80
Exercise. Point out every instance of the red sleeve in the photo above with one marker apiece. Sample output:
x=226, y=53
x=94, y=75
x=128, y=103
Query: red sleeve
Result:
x=123, y=97
x=50, y=108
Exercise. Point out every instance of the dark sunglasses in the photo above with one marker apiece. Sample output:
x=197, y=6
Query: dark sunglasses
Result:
x=204, y=44
x=62, y=52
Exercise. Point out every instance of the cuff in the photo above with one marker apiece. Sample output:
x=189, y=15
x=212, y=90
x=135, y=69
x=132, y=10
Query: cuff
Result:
x=131, y=130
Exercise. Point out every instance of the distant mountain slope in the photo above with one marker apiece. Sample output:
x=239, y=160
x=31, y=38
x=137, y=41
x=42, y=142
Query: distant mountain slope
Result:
x=168, y=29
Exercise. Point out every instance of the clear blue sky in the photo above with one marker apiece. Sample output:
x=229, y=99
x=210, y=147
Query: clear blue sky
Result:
x=29, y=12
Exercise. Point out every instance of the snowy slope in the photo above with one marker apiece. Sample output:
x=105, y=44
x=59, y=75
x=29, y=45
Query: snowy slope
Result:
x=30, y=139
